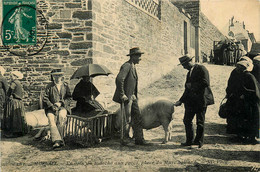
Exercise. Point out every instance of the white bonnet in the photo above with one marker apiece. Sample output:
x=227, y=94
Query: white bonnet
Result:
x=249, y=65
x=18, y=74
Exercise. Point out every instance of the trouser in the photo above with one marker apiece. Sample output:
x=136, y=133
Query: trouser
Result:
x=57, y=123
x=133, y=118
x=190, y=112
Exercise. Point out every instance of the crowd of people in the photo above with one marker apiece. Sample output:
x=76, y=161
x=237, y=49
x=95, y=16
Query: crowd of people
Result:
x=242, y=92
x=228, y=53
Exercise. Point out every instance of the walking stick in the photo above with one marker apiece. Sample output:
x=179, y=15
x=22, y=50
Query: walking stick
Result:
x=122, y=121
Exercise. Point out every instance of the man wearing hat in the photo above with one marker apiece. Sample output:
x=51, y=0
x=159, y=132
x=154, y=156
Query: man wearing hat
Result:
x=196, y=97
x=126, y=95
x=56, y=101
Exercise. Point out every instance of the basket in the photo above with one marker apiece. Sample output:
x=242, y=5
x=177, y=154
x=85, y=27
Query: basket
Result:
x=223, y=109
x=88, y=131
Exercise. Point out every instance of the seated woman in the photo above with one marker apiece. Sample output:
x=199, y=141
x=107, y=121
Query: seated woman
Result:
x=85, y=93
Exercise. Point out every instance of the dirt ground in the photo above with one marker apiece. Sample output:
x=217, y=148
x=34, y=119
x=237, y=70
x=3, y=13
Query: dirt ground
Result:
x=221, y=152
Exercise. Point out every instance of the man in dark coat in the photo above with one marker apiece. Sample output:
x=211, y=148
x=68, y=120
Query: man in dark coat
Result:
x=196, y=97
x=56, y=102
x=126, y=93
x=230, y=51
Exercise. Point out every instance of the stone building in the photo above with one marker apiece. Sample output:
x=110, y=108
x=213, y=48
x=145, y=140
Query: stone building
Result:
x=102, y=31
x=205, y=32
x=237, y=30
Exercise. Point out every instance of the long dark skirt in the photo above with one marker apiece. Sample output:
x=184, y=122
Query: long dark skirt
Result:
x=14, y=118
x=88, y=109
x=244, y=119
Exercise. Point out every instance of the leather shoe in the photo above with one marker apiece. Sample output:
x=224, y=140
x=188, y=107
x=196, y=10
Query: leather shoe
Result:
x=186, y=144
x=37, y=138
x=198, y=143
x=9, y=135
x=142, y=142
x=124, y=142
x=57, y=144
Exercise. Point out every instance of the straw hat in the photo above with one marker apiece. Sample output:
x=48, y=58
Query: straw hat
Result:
x=2, y=70
x=18, y=74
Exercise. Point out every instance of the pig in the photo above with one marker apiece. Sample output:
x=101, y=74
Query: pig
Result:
x=154, y=112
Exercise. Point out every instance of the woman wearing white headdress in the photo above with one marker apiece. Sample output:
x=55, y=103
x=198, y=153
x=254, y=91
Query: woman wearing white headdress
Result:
x=3, y=91
x=243, y=99
x=14, y=115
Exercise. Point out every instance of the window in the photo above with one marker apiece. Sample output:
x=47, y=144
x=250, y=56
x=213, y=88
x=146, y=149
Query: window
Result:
x=192, y=36
x=149, y=6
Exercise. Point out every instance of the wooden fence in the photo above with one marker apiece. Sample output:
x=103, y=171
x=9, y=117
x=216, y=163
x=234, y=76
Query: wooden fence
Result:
x=88, y=131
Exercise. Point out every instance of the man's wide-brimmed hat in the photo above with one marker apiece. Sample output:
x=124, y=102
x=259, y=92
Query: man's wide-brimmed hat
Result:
x=135, y=50
x=18, y=74
x=57, y=72
x=185, y=59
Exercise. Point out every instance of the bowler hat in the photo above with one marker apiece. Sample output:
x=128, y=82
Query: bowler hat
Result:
x=184, y=59
x=57, y=72
x=135, y=50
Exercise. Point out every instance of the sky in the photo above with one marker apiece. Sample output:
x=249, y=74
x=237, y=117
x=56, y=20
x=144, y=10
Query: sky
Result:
x=220, y=12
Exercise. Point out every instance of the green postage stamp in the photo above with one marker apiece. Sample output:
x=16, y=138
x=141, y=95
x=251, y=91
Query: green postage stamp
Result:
x=19, y=22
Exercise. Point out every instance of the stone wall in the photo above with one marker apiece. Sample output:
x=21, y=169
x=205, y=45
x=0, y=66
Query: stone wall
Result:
x=101, y=31
x=118, y=26
x=67, y=46
x=209, y=33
